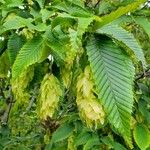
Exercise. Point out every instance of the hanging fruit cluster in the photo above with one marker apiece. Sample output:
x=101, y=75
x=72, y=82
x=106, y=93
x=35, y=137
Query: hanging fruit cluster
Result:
x=90, y=109
x=19, y=86
x=50, y=92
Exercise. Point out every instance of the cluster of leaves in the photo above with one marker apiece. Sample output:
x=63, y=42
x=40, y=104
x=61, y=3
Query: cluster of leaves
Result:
x=74, y=74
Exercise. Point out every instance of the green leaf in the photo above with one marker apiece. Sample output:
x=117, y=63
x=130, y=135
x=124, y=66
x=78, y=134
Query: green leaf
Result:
x=123, y=20
x=101, y=21
x=124, y=37
x=141, y=136
x=16, y=22
x=113, y=74
x=77, y=11
x=45, y=14
x=94, y=140
x=82, y=138
x=118, y=146
x=112, y=144
x=83, y=24
x=73, y=9
x=143, y=109
x=57, y=45
x=77, y=2
x=63, y=132
x=15, y=43
x=41, y=3
x=11, y=3
x=63, y=20
x=31, y=52
x=107, y=140
x=144, y=23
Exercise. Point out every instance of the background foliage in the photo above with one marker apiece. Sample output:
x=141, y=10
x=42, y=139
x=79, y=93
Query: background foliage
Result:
x=74, y=74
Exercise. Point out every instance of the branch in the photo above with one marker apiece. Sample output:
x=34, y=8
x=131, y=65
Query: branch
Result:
x=30, y=105
x=1, y=88
x=5, y=116
x=144, y=74
x=97, y=3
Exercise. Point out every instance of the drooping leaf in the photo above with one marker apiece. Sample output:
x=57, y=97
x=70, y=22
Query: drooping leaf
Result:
x=141, y=136
x=144, y=23
x=73, y=9
x=83, y=24
x=94, y=140
x=110, y=67
x=118, y=146
x=69, y=20
x=104, y=7
x=41, y=3
x=45, y=14
x=31, y=52
x=124, y=37
x=15, y=43
x=16, y=22
x=63, y=132
x=82, y=138
x=11, y=3
x=63, y=20
x=77, y=2
x=77, y=11
x=101, y=21
x=107, y=140
x=123, y=20
x=57, y=45
x=143, y=109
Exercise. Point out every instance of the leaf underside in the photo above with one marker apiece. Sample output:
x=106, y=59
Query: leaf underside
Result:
x=124, y=37
x=101, y=21
x=113, y=74
x=15, y=43
x=32, y=52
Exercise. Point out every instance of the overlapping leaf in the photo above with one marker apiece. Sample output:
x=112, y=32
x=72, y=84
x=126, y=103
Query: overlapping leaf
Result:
x=144, y=23
x=33, y=51
x=142, y=136
x=16, y=22
x=124, y=37
x=57, y=45
x=111, y=70
x=15, y=42
x=101, y=21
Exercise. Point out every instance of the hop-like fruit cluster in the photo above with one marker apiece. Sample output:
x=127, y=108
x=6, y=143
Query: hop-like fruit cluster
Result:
x=89, y=108
x=70, y=56
x=4, y=65
x=66, y=74
x=50, y=92
x=19, y=86
x=71, y=145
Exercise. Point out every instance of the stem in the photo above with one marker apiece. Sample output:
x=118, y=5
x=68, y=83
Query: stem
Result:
x=30, y=104
x=1, y=88
x=145, y=73
x=5, y=117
